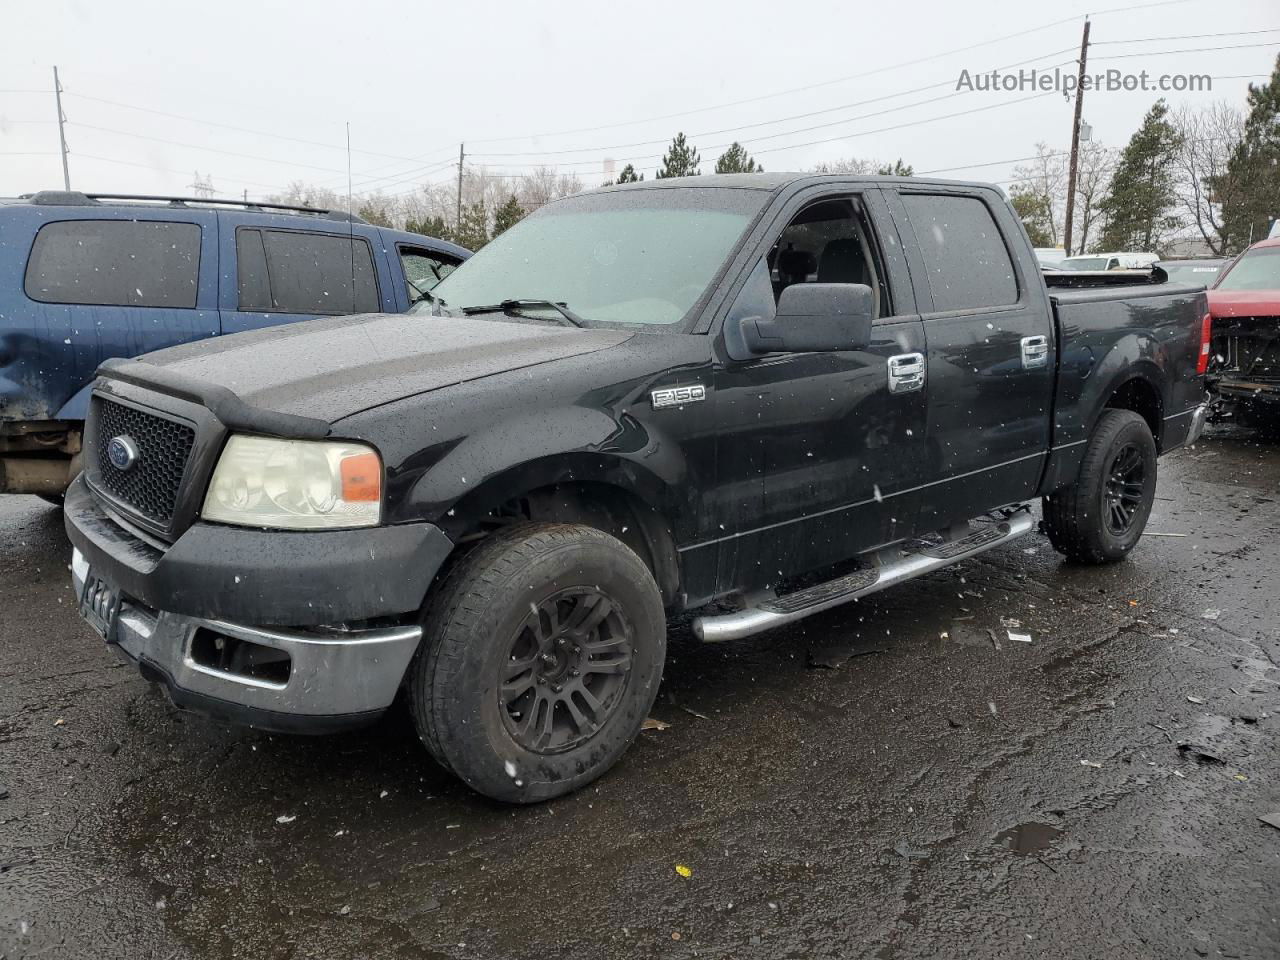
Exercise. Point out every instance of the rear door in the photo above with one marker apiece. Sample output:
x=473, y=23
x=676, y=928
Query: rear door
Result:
x=278, y=270
x=991, y=353
x=107, y=282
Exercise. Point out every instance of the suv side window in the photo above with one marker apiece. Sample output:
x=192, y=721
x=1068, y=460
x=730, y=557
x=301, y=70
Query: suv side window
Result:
x=286, y=271
x=423, y=269
x=968, y=264
x=115, y=263
x=828, y=242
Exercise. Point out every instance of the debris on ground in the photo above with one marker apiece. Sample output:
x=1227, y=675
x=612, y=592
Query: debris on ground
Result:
x=653, y=723
x=1153, y=533
x=991, y=705
x=285, y=818
x=1272, y=819
x=1019, y=637
x=1211, y=614
x=995, y=641
x=908, y=852
x=1199, y=754
x=683, y=871
x=830, y=658
x=694, y=713
x=1197, y=700
x=1091, y=763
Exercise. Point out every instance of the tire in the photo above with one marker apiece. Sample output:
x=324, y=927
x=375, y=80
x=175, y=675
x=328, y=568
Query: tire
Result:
x=502, y=693
x=1084, y=521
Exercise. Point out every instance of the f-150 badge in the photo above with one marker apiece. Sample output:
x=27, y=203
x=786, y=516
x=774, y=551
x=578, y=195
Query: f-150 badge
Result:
x=677, y=396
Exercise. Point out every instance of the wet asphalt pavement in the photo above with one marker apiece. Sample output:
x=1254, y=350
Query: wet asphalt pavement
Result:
x=935, y=794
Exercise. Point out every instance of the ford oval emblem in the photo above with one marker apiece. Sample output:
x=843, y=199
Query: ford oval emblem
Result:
x=122, y=452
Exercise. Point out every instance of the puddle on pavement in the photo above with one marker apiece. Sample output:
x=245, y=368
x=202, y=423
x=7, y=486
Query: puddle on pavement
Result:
x=1028, y=838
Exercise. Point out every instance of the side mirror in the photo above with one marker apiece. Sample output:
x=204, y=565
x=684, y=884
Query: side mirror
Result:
x=812, y=318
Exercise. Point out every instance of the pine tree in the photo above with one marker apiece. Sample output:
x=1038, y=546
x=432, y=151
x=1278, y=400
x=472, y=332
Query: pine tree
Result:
x=473, y=231
x=1250, y=190
x=430, y=227
x=628, y=175
x=507, y=215
x=1143, y=189
x=680, y=160
x=737, y=160
x=1032, y=208
x=896, y=169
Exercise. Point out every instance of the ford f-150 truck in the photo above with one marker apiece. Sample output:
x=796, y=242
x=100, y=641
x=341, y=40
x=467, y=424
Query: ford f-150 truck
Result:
x=84, y=277
x=636, y=402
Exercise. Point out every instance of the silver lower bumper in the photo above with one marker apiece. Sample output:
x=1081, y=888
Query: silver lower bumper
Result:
x=331, y=672
x=1198, y=420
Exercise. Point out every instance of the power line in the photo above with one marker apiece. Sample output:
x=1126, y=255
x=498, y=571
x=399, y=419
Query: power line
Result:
x=1165, y=53
x=1189, y=36
x=827, y=83
x=257, y=133
x=763, y=123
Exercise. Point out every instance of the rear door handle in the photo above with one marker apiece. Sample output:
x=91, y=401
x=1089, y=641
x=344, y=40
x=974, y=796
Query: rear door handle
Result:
x=1035, y=352
x=906, y=372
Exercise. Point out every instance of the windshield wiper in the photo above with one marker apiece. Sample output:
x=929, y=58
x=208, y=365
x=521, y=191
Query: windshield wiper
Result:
x=514, y=306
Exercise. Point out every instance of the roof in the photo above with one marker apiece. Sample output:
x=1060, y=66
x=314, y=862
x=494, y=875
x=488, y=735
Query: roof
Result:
x=776, y=181
x=77, y=198
x=1274, y=242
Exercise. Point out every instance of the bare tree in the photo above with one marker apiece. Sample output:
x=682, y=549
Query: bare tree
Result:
x=1045, y=179
x=543, y=185
x=1209, y=136
x=855, y=166
x=1093, y=178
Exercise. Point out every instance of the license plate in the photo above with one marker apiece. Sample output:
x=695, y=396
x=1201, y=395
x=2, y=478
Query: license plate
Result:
x=100, y=606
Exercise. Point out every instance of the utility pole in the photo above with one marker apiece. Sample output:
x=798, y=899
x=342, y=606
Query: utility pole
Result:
x=1075, y=139
x=62, y=133
x=457, y=222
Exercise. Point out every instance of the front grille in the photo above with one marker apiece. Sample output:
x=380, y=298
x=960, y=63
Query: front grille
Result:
x=150, y=487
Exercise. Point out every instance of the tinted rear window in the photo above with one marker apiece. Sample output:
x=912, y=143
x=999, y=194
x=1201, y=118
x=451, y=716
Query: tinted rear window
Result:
x=124, y=263
x=305, y=273
x=968, y=263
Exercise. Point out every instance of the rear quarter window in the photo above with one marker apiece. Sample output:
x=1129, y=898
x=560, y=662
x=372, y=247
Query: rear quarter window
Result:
x=968, y=264
x=122, y=263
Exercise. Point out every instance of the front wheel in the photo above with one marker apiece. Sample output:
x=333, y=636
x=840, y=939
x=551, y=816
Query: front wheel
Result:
x=1100, y=518
x=542, y=653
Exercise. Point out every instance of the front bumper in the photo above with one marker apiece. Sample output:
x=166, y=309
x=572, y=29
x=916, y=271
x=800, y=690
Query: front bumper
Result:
x=321, y=680
x=245, y=575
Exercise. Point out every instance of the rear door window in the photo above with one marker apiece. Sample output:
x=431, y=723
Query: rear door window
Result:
x=969, y=266
x=117, y=263
x=286, y=271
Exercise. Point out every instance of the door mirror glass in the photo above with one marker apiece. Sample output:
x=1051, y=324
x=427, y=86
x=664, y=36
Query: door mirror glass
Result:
x=814, y=317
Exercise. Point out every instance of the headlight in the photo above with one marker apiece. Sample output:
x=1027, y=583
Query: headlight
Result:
x=295, y=484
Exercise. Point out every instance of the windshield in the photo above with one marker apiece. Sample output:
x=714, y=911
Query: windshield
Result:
x=1259, y=269
x=629, y=256
x=1085, y=263
x=1191, y=272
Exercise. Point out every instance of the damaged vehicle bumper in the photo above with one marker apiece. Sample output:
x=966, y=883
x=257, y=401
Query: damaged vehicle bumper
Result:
x=278, y=662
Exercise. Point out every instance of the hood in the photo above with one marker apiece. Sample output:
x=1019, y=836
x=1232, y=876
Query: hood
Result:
x=1244, y=303
x=331, y=368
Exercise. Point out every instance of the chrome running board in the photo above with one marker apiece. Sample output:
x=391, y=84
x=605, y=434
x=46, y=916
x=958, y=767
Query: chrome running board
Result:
x=777, y=611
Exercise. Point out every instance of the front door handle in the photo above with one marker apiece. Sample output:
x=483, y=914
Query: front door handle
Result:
x=906, y=372
x=1035, y=352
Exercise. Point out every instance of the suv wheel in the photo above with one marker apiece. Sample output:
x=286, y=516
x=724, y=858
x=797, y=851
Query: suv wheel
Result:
x=542, y=653
x=1101, y=517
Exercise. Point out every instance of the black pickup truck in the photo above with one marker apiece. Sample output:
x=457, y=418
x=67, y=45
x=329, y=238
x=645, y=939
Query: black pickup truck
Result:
x=636, y=402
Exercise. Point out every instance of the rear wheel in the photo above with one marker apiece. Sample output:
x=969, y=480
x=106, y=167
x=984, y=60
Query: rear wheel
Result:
x=542, y=654
x=1100, y=518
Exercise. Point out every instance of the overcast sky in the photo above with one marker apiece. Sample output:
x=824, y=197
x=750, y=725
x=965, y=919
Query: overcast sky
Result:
x=580, y=82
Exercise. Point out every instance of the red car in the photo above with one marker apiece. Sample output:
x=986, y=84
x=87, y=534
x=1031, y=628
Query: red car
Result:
x=1244, y=304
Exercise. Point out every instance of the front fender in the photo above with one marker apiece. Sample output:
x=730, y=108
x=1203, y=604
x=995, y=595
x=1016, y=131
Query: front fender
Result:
x=543, y=448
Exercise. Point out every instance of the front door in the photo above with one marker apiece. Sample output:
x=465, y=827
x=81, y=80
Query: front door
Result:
x=817, y=460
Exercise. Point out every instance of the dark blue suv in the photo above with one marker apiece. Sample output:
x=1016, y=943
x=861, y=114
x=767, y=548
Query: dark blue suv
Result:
x=85, y=277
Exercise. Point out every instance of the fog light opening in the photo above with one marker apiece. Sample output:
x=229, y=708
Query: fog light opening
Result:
x=241, y=658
